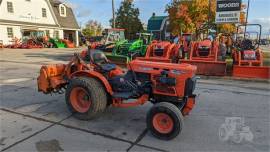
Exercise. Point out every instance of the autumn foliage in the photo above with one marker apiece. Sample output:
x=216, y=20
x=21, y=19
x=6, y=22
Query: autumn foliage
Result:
x=187, y=16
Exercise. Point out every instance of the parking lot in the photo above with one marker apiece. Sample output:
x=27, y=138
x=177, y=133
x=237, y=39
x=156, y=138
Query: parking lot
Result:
x=32, y=121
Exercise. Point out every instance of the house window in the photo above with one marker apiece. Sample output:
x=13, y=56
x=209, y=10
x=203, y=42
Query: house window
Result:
x=47, y=33
x=56, y=33
x=44, y=13
x=10, y=32
x=62, y=10
x=10, y=7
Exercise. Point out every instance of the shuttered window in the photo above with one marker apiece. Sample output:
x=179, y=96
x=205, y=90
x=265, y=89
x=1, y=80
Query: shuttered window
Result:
x=10, y=7
x=44, y=13
x=10, y=32
x=56, y=34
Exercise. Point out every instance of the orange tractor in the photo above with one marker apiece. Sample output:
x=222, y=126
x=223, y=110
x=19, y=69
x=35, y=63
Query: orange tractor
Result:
x=94, y=83
x=205, y=55
x=248, y=58
x=162, y=51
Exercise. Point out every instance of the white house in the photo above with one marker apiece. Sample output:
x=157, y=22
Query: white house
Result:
x=19, y=17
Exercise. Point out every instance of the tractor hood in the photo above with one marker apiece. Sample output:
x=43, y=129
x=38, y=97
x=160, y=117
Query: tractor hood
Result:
x=156, y=67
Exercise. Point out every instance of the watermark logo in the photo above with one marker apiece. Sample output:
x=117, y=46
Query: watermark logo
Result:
x=235, y=130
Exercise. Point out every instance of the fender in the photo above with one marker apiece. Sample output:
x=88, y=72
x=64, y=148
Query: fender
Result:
x=97, y=75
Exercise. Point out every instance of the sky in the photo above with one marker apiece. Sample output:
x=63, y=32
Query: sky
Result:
x=101, y=10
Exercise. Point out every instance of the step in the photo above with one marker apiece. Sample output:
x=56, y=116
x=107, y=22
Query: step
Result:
x=122, y=95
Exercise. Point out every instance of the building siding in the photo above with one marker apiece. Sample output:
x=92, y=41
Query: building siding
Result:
x=27, y=11
x=4, y=35
x=28, y=15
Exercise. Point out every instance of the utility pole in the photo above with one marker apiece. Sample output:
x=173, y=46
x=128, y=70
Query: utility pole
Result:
x=209, y=15
x=246, y=20
x=113, y=14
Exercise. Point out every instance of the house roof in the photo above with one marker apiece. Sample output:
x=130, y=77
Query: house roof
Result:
x=155, y=23
x=66, y=22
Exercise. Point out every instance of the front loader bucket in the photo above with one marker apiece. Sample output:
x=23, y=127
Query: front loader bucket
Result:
x=262, y=72
x=209, y=68
x=118, y=59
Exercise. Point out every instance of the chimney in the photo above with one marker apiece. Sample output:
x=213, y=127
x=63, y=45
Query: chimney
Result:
x=154, y=14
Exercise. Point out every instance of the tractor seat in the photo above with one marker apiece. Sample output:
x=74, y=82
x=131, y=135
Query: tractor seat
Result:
x=99, y=59
x=108, y=67
x=247, y=45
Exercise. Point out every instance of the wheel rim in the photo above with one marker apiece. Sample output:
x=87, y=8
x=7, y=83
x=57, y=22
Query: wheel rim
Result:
x=163, y=123
x=80, y=99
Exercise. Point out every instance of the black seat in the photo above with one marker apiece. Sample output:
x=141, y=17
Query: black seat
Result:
x=108, y=67
x=247, y=45
x=98, y=58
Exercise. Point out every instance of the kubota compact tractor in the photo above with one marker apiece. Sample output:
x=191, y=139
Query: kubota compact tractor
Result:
x=92, y=84
x=162, y=51
x=248, y=58
x=205, y=55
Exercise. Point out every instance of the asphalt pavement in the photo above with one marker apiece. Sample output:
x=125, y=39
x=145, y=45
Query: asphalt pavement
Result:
x=32, y=121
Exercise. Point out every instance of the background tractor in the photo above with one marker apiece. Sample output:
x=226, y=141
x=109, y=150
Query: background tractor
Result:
x=207, y=56
x=111, y=38
x=162, y=51
x=94, y=83
x=248, y=58
x=126, y=51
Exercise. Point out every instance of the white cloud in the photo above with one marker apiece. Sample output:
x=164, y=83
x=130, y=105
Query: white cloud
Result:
x=265, y=22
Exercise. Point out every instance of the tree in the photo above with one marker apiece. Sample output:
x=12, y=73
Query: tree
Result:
x=92, y=28
x=189, y=15
x=127, y=17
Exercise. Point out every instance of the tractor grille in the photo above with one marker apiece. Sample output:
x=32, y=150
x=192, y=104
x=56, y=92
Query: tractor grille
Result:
x=159, y=52
x=204, y=51
x=190, y=86
x=124, y=49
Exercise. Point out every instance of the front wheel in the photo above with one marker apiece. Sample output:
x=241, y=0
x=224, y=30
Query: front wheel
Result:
x=164, y=121
x=85, y=97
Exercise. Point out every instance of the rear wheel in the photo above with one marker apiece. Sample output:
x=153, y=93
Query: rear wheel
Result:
x=86, y=97
x=164, y=120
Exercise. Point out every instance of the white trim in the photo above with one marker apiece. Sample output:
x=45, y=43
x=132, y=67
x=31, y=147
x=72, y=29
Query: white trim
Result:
x=33, y=25
x=38, y=26
x=60, y=11
x=70, y=29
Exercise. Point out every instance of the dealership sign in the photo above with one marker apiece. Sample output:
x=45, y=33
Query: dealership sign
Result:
x=228, y=11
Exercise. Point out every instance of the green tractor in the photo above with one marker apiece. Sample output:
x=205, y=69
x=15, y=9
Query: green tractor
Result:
x=125, y=51
x=57, y=43
x=110, y=39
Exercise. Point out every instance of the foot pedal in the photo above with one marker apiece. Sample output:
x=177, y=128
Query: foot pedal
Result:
x=122, y=95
